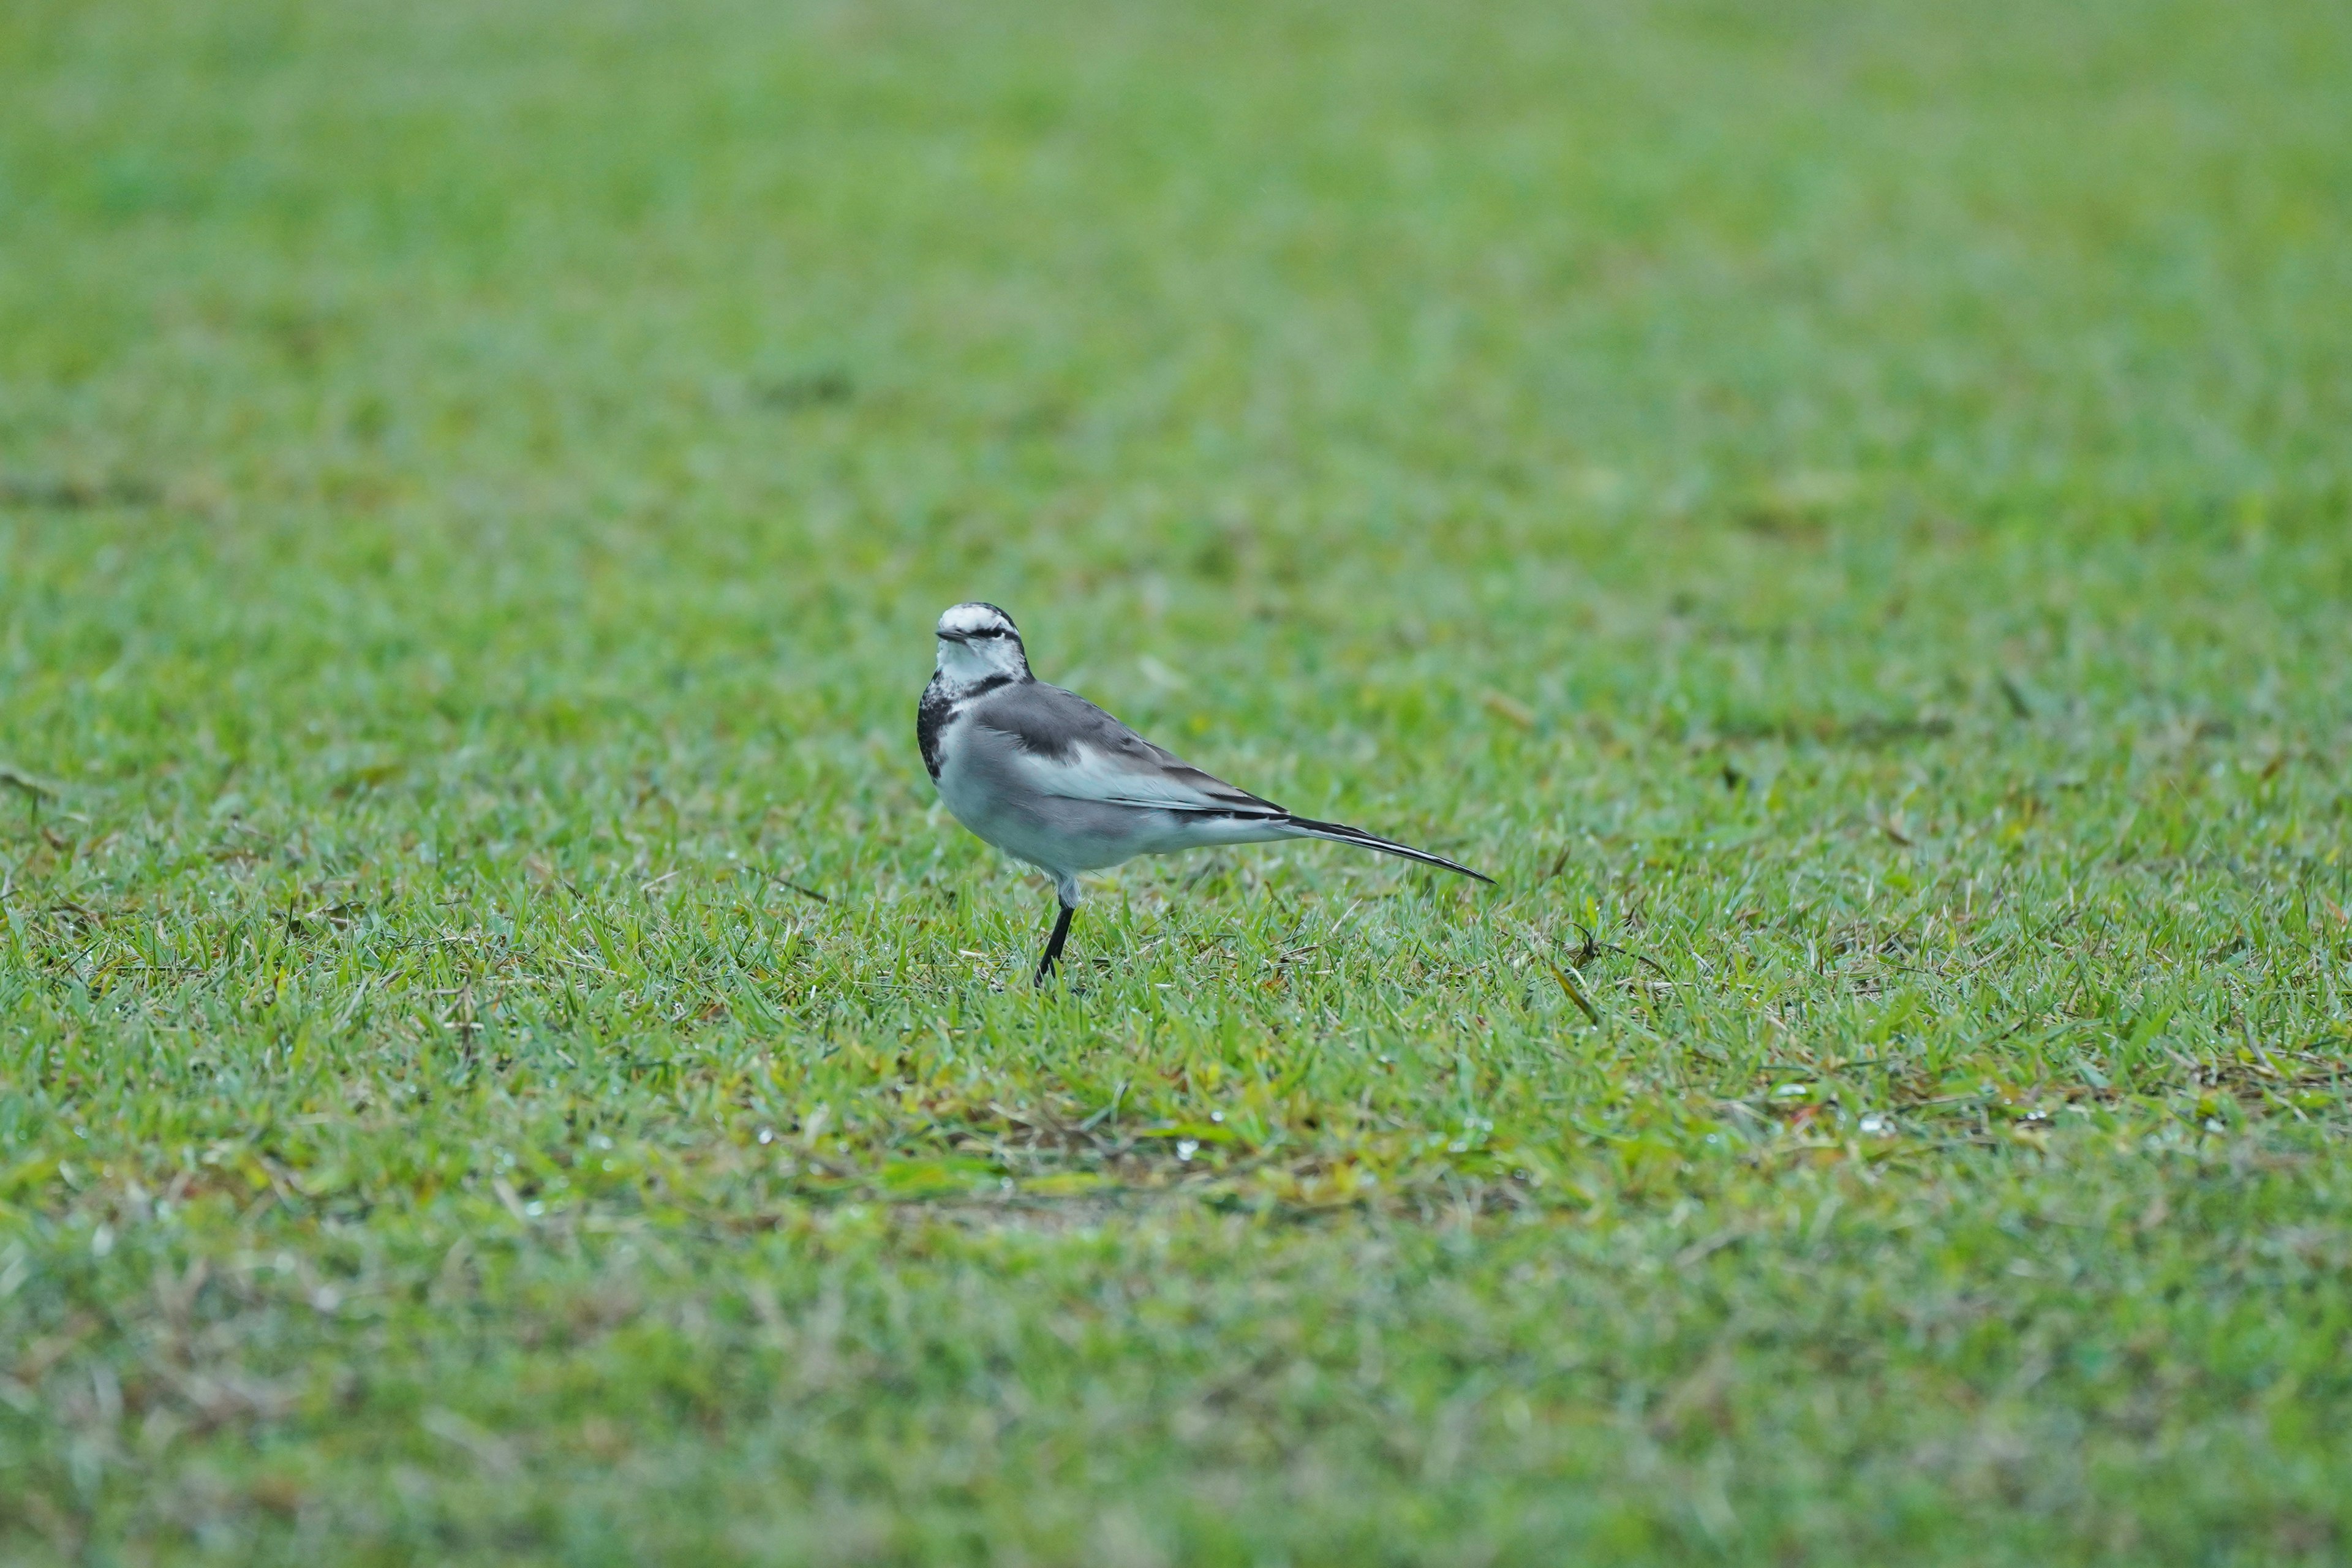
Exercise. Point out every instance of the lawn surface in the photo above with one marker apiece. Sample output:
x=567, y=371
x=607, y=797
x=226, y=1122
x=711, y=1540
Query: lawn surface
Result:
x=1845, y=509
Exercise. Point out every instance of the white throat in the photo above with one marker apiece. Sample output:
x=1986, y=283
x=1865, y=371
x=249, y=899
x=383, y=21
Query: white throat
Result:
x=962, y=664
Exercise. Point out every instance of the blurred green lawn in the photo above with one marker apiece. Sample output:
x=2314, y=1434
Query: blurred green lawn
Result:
x=1844, y=508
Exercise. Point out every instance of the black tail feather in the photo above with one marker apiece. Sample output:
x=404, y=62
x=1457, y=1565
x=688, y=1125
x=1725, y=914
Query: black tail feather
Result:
x=1340, y=833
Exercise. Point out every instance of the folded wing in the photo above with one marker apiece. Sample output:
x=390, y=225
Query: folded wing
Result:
x=1073, y=750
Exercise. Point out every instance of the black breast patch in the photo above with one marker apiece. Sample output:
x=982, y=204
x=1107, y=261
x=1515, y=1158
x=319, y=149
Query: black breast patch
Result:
x=931, y=716
x=937, y=709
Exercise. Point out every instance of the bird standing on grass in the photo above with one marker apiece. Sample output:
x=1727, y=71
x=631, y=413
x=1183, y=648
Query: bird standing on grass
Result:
x=1049, y=778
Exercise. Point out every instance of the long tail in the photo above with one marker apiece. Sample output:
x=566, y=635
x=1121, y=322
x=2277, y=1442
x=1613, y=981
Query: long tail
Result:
x=1340, y=833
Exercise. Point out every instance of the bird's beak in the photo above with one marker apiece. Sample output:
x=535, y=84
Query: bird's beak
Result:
x=955, y=637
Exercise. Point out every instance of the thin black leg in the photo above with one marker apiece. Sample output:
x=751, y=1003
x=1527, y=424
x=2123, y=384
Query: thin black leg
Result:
x=1054, y=944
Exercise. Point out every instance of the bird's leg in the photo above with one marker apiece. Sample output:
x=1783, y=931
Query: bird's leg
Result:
x=1053, y=943
x=1066, y=889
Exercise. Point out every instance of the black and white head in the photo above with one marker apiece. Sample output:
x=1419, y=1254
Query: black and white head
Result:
x=978, y=640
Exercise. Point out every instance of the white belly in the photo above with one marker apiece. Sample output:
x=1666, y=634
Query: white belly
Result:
x=1056, y=836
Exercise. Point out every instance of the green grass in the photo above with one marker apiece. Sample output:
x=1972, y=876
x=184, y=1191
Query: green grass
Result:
x=1845, y=509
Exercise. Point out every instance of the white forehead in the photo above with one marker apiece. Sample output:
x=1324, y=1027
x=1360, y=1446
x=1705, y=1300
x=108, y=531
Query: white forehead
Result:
x=976, y=616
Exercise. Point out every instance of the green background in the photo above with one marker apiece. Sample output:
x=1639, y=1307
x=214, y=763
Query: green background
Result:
x=1842, y=508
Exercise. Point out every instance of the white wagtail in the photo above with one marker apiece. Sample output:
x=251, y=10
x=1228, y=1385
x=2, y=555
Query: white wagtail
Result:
x=1049, y=778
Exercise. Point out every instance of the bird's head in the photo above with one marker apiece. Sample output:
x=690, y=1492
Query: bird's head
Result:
x=977, y=640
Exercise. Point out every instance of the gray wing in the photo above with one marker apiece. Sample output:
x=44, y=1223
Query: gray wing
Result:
x=1066, y=746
